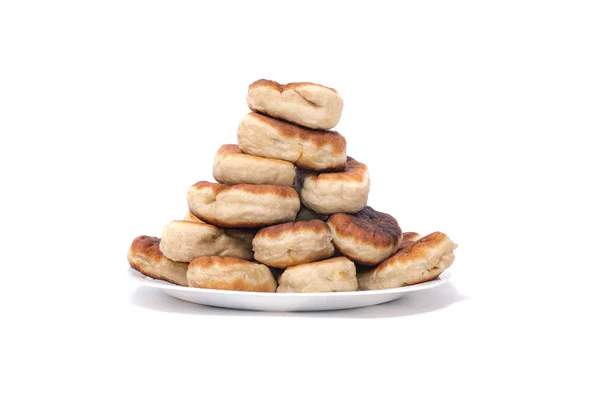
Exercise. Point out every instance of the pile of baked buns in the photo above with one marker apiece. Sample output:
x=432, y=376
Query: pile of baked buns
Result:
x=288, y=211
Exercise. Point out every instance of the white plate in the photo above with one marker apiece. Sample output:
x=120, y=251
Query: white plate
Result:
x=266, y=301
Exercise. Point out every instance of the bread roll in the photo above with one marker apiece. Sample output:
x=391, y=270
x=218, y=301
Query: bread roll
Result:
x=307, y=104
x=264, y=136
x=232, y=166
x=422, y=261
x=367, y=237
x=332, y=192
x=331, y=275
x=145, y=256
x=293, y=243
x=185, y=240
x=228, y=273
x=243, y=206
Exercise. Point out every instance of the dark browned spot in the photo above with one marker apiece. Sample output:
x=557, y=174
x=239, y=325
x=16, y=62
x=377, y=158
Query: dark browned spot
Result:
x=368, y=226
x=370, y=220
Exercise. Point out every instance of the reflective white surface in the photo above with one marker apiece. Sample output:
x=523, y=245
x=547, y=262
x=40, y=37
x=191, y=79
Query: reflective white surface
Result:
x=283, y=302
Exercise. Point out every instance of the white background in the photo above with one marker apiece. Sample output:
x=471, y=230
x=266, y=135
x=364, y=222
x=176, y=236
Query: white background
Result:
x=478, y=119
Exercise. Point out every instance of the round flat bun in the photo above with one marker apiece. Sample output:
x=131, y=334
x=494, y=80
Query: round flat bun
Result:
x=232, y=166
x=228, y=273
x=307, y=104
x=264, y=136
x=422, y=261
x=333, y=192
x=185, y=240
x=367, y=237
x=293, y=243
x=243, y=205
x=306, y=214
x=331, y=275
x=145, y=256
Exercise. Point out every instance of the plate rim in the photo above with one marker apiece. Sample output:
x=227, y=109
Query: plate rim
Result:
x=141, y=278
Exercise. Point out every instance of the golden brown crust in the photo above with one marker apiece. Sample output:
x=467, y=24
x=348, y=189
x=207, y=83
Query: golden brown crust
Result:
x=331, y=275
x=186, y=240
x=317, y=150
x=408, y=239
x=420, y=250
x=315, y=226
x=420, y=261
x=228, y=149
x=306, y=104
x=284, y=87
x=293, y=243
x=227, y=225
x=353, y=171
x=319, y=138
x=232, y=166
x=243, y=195
x=335, y=192
x=281, y=191
x=226, y=273
x=148, y=246
x=145, y=256
x=216, y=187
x=405, y=244
x=410, y=236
